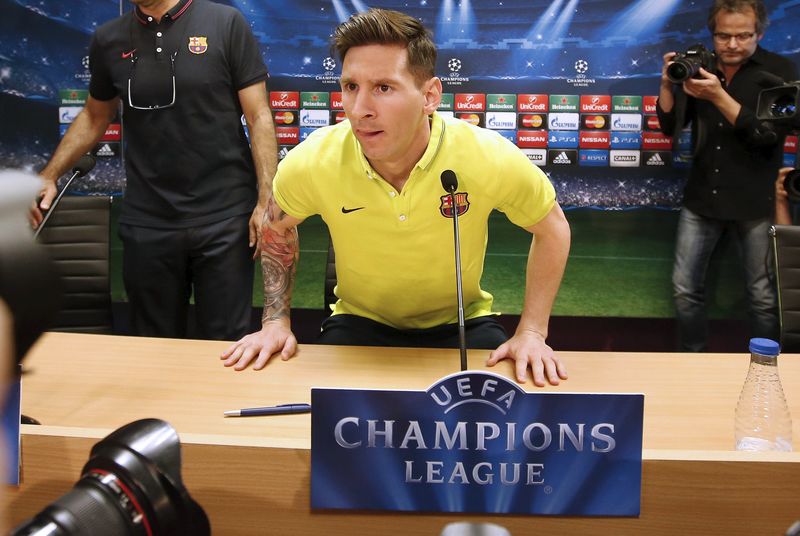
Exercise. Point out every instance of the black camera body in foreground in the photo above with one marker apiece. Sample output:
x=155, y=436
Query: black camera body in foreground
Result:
x=687, y=65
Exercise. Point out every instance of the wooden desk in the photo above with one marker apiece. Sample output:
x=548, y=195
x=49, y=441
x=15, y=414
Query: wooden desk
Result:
x=252, y=474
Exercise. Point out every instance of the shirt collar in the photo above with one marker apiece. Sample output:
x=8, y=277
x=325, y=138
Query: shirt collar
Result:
x=434, y=144
x=171, y=15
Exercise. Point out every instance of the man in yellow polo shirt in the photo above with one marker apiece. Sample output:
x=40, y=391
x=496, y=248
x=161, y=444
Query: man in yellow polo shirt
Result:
x=375, y=180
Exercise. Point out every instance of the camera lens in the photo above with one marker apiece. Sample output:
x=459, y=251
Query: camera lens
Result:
x=784, y=106
x=679, y=71
x=792, y=185
x=131, y=486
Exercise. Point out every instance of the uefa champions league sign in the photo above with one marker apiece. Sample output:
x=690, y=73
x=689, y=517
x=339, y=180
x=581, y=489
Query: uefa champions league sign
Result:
x=475, y=442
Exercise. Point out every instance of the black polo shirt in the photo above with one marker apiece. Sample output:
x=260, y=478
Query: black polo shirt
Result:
x=735, y=166
x=188, y=164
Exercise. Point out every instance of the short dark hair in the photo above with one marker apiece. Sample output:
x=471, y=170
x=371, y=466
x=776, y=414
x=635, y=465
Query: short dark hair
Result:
x=739, y=6
x=386, y=27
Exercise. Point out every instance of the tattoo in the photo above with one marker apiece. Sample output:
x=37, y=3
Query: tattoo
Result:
x=279, y=254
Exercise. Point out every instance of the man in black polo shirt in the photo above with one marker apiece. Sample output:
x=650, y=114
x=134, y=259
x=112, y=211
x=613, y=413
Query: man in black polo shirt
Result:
x=185, y=72
x=731, y=182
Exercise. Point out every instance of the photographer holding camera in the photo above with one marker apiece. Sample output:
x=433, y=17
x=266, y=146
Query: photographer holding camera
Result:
x=736, y=159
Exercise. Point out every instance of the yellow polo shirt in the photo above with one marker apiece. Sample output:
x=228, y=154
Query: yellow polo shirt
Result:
x=394, y=250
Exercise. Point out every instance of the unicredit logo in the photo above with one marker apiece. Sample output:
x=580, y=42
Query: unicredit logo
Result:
x=284, y=99
x=336, y=100
x=473, y=102
x=595, y=103
x=532, y=103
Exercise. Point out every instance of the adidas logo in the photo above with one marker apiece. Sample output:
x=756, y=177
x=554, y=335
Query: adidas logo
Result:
x=283, y=152
x=105, y=150
x=562, y=158
x=656, y=160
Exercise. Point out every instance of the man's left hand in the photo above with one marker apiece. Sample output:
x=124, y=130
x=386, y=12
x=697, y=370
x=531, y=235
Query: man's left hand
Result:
x=528, y=349
x=255, y=229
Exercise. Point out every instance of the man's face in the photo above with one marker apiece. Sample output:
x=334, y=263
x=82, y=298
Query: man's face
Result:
x=729, y=43
x=386, y=108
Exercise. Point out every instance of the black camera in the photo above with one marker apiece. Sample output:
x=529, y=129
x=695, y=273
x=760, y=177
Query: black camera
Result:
x=687, y=65
x=130, y=486
x=792, y=185
x=779, y=104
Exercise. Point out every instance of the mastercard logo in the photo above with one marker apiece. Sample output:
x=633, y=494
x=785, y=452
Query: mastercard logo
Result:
x=652, y=123
x=532, y=121
x=284, y=118
x=472, y=119
x=594, y=121
x=339, y=117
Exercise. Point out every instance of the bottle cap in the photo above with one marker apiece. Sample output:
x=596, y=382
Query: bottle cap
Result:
x=764, y=347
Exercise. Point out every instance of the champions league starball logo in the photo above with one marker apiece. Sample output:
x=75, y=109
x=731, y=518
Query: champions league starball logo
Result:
x=581, y=80
x=454, y=65
x=329, y=76
x=329, y=64
x=85, y=75
x=454, y=78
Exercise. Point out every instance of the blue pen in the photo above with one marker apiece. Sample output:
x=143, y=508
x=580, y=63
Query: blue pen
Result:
x=281, y=409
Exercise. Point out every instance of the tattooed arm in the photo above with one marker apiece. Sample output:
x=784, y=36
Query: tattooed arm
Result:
x=279, y=253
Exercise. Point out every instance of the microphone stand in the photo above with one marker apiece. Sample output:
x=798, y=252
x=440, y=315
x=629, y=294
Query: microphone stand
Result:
x=77, y=171
x=462, y=338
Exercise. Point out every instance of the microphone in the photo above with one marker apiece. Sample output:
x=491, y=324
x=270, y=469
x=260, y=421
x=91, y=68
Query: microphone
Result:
x=83, y=166
x=450, y=185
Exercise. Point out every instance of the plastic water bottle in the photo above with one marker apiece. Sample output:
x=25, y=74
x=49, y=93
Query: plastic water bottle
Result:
x=762, y=416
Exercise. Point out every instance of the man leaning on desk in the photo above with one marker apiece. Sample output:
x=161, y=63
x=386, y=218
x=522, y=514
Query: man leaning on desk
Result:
x=375, y=180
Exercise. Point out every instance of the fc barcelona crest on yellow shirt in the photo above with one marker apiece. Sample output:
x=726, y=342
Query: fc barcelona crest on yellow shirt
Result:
x=462, y=204
x=198, y=45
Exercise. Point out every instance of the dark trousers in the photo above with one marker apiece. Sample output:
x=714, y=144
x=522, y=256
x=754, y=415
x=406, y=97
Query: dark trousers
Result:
x=484, y=332
x=161, y=268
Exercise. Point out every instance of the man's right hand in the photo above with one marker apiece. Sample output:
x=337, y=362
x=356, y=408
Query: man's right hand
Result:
x=42, y=203
x=274, y=337
x=780, y=189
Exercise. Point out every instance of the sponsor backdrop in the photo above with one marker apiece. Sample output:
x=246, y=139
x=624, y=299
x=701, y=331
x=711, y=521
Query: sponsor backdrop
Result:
x=571, y=82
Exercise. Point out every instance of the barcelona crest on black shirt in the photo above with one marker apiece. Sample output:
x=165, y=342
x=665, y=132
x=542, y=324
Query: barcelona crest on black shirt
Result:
x=198, y=45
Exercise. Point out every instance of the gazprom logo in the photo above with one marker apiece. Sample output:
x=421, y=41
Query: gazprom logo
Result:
x=501, y=120
x=564, y=121
x=67, y=114
x=627, y=122
x=314, y=118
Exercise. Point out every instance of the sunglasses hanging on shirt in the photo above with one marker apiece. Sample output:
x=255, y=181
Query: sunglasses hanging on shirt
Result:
x=151, y=82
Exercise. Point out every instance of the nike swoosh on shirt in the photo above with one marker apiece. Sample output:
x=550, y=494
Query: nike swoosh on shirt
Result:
x=349, y=210
x=126, y=55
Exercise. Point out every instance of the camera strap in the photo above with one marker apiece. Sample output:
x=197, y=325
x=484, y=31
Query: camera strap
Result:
x=679, y=109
